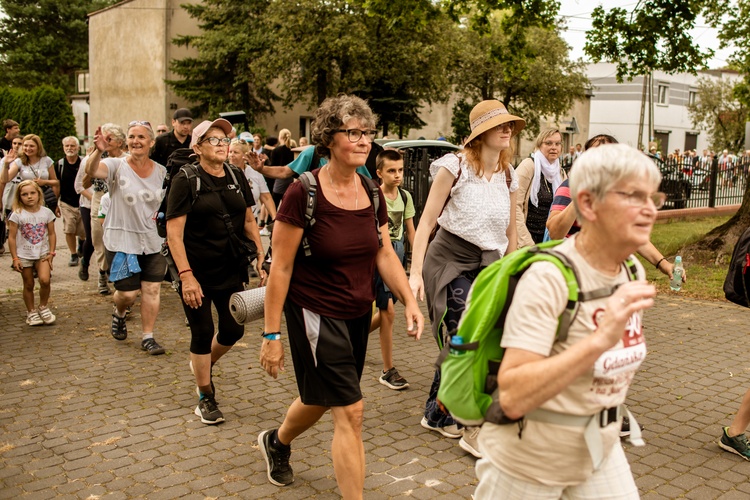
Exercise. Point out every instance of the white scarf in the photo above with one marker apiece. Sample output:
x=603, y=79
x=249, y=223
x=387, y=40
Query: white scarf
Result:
x=551, y=173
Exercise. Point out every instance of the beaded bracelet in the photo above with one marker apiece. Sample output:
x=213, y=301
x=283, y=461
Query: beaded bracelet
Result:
x=659, y=262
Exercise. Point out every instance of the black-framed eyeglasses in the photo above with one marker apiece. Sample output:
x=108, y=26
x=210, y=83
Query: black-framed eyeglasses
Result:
x=140, y=122
x=640, y=198
x=355, y=134
x=215, y=141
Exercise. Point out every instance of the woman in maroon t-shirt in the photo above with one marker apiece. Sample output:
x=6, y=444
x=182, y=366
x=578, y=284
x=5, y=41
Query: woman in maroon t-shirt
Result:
x=327, y=296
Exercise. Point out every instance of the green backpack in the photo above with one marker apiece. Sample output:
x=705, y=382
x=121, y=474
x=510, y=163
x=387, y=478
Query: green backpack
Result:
x=468, y=371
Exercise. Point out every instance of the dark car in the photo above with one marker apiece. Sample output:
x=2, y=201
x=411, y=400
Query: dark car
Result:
x=673, y=183
x=418, y=155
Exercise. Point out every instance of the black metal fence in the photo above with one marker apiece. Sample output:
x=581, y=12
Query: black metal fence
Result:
x=695, y=182
x=688, y=182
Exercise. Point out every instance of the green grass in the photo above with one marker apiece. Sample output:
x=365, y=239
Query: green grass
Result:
x=704, y=281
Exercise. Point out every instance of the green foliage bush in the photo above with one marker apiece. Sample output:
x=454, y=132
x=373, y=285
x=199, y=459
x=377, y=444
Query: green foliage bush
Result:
x=44, y=111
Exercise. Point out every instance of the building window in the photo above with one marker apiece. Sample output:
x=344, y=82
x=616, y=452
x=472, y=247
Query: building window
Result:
x=82, y=82
x=663, y=95
x=692, y=97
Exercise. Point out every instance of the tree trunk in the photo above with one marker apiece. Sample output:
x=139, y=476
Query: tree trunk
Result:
x=321, y=85
x=717, y=245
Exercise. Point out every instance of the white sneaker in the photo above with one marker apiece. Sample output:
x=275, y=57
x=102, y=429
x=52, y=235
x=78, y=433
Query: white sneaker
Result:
x=33, y=319
x=470, y=441
x=449, y=431
x=265, y=231
x=47, y=317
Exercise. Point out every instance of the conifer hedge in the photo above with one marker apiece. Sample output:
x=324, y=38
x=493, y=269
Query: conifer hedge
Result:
x=44, y=111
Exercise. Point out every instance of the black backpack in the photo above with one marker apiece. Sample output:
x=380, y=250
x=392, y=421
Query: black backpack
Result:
x=737, y=282
x=177, y=159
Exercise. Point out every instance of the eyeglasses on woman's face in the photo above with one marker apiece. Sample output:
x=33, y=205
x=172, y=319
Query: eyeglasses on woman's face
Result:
x=215, y=141
x=355, y=134
x=640, y=198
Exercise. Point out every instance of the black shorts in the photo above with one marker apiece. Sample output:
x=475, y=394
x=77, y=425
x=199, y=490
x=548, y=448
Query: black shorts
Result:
x=328, y=355
x=153, y=266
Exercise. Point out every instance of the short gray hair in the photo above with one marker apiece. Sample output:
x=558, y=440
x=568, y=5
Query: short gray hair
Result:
x=71, y=138
x=599, y=169
x=115, y=130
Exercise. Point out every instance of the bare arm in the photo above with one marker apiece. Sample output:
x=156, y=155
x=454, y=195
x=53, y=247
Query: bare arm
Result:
x=192, y=293
x=654, y=256
x=12, y=231
x=529, y=379
x=52, y=181
x=286, y=241
x=390, y=269
x=560, y=222
x=410, y=231
x=95, y=167
x=253, y=233
x=9, y=168
x=525, y=174
x=439, y=192
x=512, y=231
x=267, y=200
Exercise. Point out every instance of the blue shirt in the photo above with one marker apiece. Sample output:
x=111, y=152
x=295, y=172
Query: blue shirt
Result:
x=301, y=164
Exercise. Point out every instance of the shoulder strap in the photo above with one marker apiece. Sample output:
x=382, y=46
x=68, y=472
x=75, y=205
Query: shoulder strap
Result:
x=311, y=188
x=194, y=179
x=402, y=192
x=60, y=165
x=373, y=190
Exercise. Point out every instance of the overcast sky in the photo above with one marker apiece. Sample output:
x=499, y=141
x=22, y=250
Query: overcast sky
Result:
x=577, y=13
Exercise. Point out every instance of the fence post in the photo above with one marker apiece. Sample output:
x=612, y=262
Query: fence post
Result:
x=714, y=182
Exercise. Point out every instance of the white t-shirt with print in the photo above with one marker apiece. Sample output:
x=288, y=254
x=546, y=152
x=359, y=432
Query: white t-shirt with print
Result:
x=32, y=237
x=258, y=185
x=555, y=454
x=130, y=226
x=479, y=210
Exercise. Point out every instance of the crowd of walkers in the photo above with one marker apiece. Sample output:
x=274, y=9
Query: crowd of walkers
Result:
x=338, y=267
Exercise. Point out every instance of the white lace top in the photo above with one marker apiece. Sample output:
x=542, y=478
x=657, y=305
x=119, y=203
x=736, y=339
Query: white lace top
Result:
x=479, y=210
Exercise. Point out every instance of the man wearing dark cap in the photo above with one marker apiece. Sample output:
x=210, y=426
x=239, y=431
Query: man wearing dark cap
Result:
x=165, y=144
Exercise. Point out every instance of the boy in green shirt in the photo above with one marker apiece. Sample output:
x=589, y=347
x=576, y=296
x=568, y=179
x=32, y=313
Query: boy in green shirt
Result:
x=390, y=170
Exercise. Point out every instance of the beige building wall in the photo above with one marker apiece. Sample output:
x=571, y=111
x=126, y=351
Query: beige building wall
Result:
x=129, y=49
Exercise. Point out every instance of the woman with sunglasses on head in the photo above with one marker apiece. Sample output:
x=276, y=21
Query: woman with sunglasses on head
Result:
x=562, y=223
x=562, y=396
x=132, y=243
x=327, y=296
x=205, y=232
x=472, y=198
x=538, y=179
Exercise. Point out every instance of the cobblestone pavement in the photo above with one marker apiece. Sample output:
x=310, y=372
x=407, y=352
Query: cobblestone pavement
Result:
x=85, y=416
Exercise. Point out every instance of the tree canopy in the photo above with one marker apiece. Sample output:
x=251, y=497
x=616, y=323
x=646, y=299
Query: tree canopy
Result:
x=45, y=42
x=534, y=78
x=718, y=111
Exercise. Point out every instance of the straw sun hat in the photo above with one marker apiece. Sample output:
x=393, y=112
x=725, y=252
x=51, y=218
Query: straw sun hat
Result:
x=489, y=114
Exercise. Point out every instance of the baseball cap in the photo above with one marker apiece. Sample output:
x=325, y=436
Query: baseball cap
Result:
x=182, y=114
x=247, y=137
x=200, y=130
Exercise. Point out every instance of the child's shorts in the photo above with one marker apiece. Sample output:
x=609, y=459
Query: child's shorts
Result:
x=31, y=263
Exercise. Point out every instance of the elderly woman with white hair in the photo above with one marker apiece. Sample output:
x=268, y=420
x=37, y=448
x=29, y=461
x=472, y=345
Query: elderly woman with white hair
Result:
x=132, y=243
x=563, y=398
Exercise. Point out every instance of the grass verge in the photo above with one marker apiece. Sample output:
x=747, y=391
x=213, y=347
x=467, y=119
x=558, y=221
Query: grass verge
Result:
x=704, y=280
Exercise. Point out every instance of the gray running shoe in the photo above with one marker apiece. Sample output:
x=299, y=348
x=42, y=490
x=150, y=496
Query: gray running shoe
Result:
x=151, y=346
x=470, y=441
x=209, y=411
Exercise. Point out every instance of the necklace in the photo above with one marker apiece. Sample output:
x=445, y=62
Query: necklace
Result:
x=356, y=191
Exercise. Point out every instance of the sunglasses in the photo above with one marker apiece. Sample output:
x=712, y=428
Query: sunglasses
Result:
x=143, y=123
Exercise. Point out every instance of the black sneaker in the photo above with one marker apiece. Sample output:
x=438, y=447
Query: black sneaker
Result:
x=209, y=411
x=73, y=262
x=277, y=461
x=151, y=346
x=737, y=444
x=393, y=380
x=119, y=328
x=83, y=271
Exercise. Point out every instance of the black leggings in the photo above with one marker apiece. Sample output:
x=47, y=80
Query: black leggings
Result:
x=202, y=323
x=88, y=245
